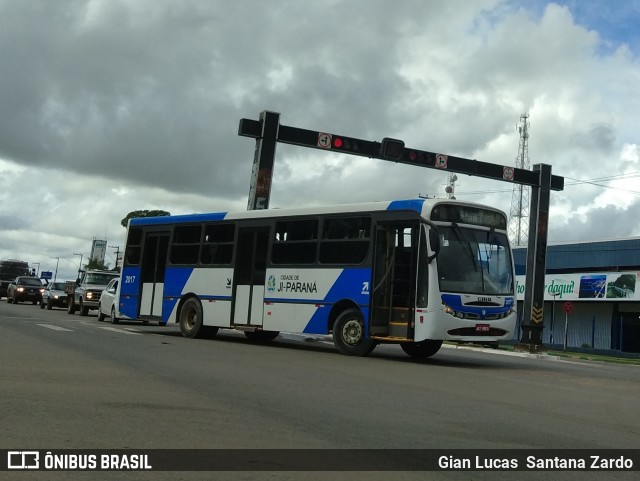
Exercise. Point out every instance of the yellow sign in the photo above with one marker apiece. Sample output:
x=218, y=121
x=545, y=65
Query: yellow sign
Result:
x=536, y=314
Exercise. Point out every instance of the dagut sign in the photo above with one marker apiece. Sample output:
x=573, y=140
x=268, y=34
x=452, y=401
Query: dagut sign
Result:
x=614, y=286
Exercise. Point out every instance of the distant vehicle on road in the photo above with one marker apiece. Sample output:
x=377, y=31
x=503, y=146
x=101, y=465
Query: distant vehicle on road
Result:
x=86, y=294
x=107, y=306
x=54, y=295
x=25, y=288
x=9, y=270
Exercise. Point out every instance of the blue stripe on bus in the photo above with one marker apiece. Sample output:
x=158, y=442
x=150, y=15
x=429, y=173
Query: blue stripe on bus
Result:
x=178, y=219
x=206, y=297
x=281, y=300
x=352, y=284
x=319, y=322
x=409, y=204
x=175, y=278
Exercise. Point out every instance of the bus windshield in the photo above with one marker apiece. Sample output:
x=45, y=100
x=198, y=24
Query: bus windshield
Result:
x=473, y=261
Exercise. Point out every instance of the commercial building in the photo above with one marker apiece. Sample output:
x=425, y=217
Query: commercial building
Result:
x=592, y=294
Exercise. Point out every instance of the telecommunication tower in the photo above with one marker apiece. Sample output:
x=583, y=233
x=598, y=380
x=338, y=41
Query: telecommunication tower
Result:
x=519, y=215
x=450, y=189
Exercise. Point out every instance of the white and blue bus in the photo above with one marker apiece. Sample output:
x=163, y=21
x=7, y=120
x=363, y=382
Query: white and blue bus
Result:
x=411, y=272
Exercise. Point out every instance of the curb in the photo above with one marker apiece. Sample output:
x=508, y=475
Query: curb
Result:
x=503, y=352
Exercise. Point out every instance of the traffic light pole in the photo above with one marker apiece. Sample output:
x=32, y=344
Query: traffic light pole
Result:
x=532, y=325
x=268, y=132
x=260, y=188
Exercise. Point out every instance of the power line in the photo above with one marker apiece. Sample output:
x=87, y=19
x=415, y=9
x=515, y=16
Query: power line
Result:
x=578, y=182
x=619, y=176
x=571, y=184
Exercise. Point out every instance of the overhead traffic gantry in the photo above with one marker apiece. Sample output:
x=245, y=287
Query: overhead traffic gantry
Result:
x=268, y=131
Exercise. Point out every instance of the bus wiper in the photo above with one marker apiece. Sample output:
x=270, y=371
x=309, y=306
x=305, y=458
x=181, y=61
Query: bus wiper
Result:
x=487, y=247
x=463, y=240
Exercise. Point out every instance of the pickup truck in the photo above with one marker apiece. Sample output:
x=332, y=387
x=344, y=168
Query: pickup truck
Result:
x=84, y=294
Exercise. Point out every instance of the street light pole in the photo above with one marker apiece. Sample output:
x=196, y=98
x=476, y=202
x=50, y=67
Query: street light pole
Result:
x=553, y=315
x=56, y=273
x=80, y=266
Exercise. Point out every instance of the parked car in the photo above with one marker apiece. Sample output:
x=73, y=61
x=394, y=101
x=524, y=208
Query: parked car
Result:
x=25, y=288
x=107, y=306
x=54, y=295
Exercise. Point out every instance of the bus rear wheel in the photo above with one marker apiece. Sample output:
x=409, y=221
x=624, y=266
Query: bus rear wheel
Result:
x=261, y=336
x=422, y=349
x=191, y=318
x=349, y=334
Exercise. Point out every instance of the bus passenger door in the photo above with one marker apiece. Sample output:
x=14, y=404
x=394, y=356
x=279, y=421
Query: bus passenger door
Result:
x=154, y=260
x=392, y=299
x=249, y=276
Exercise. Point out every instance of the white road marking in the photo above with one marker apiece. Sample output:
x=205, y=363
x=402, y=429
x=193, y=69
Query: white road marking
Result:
x=54, y=328
x=132, y=330
x=121, y=331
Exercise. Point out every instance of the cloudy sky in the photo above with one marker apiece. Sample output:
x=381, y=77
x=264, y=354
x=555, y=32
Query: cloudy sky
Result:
x=109, y=106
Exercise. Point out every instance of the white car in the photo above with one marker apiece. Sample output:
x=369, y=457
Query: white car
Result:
x=107, y=306
x=54, y=295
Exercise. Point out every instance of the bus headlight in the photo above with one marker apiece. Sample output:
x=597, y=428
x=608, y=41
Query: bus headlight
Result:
x=453, y=312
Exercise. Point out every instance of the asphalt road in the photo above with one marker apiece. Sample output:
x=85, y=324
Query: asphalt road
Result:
x=72, y=382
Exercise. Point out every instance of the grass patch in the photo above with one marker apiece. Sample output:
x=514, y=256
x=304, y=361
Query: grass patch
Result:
x=582, y=356
x=594, y=357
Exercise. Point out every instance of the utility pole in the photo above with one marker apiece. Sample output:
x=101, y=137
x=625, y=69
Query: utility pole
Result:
x=117, y=249
x=80, y=266
x=56, y=273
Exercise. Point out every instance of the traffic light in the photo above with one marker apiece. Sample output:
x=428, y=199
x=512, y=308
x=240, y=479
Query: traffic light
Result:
x=391, y=149
x=344, y=144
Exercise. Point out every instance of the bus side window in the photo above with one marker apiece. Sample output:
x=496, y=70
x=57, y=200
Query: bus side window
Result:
x=295, y=242
x=186, y=244
x=217, y=247
x=345, y=240
x=134, y=247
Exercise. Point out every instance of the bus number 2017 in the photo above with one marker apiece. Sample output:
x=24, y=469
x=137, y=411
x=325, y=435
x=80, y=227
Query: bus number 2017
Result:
x=129, y=279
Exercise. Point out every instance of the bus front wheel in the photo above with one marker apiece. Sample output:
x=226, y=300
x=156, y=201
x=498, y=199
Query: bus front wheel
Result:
x=349, y=334
x=191, y=318
x=422, y=349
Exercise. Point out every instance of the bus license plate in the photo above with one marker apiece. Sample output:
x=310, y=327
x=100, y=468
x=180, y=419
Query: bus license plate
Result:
x=482, y=327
